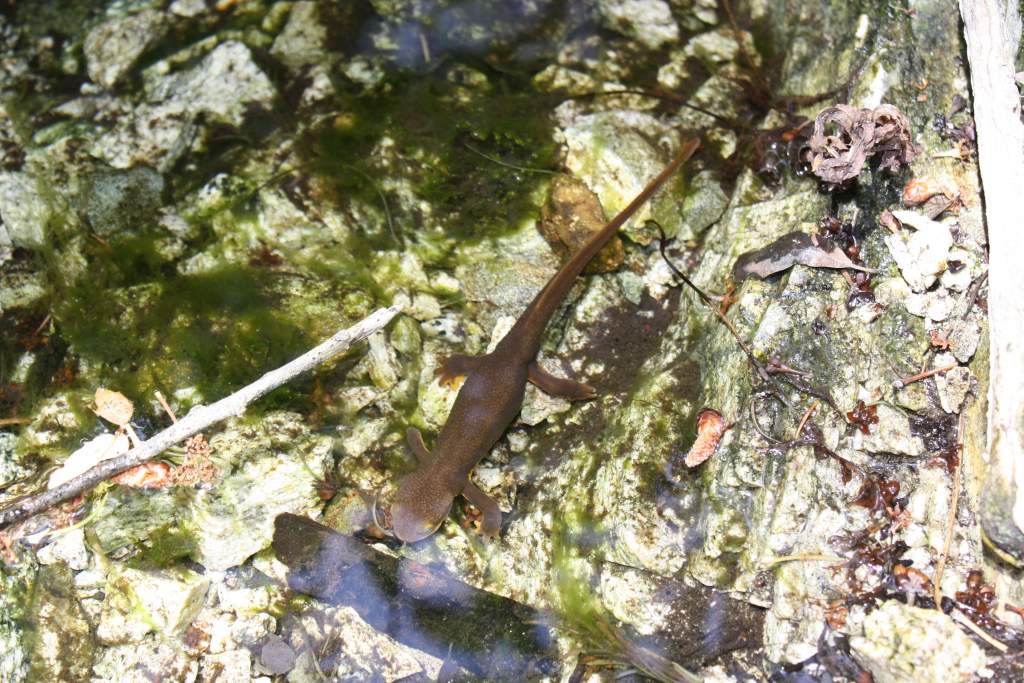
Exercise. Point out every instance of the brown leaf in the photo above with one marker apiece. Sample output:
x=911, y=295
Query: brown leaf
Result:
x=790, y=249
x=846, y=137
x=113, y=406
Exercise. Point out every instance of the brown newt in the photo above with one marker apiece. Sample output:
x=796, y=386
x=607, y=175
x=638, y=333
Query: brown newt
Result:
x=492, y=395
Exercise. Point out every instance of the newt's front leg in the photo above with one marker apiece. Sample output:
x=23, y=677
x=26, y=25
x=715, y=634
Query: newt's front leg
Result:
x=559, y=386
x=455, y=366
x=490, y=513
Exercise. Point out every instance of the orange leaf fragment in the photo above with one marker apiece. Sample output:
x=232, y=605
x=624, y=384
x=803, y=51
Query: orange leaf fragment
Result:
x=113, y=406
x=710, y=428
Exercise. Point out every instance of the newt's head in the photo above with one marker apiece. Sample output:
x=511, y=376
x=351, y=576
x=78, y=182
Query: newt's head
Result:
x=421, y=506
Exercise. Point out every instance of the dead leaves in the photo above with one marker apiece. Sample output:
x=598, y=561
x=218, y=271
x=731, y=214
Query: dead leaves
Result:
x=855, y=136
x=790, y=249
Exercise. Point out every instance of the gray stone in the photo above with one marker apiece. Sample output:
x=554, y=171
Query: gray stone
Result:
x=117, y=201
x=277, y=656
x=303, y=40
x=24, y=210
x=113, y=47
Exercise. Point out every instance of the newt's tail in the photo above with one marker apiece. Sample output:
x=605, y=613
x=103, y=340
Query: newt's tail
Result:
x=540, y=310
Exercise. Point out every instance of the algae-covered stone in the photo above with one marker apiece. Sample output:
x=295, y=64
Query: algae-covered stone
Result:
x=16, y=581
x=122, y=200
x=612, y=152
x=162, y=600
x=277, y=463
x=302, y=42
x=648, y=21
x=63, y=643
x=24, y=210
x=903, y=644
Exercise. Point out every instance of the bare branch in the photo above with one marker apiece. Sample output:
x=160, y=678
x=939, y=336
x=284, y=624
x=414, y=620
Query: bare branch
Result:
x=199, y=418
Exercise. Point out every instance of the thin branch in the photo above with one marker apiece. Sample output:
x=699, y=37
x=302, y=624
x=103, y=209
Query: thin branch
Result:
x=199, y=418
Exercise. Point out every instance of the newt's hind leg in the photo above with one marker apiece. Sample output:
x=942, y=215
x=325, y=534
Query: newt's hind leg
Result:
x=490, y=513
x=559, y=386
x=455, y=366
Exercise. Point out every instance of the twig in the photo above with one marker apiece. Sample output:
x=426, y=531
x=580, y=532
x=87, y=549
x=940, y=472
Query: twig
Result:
x=5, y=421
x=807, y=415
x=163, y=404
x=809, y=557
x=954, y=500
x=904, y=381
x=977, y=630
x=199, y=418
x=499, y=162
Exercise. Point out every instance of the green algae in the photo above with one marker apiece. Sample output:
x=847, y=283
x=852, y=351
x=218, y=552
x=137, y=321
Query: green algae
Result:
x=444, y=138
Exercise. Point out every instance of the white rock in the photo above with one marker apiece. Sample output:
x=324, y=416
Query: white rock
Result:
x=23, y=211
x=648, y=21
x=921, y=255
x=902, y=644
x=233, y=666
x=69, y=547
x=112, y=48
x=934, y=305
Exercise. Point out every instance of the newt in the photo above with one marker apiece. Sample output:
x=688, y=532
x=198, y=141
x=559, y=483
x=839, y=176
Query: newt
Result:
x=492, y=394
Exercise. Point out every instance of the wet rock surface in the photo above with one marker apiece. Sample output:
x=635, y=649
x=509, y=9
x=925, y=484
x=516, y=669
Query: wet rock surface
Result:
x=193, y=193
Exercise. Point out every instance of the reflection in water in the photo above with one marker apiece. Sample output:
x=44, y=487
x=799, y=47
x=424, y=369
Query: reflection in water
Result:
x=420, y=606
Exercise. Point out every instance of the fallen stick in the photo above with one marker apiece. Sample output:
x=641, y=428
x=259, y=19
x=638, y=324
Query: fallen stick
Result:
x=198, y=419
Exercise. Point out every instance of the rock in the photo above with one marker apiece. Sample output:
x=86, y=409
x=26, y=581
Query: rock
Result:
x=648, y=21
x=278, y=462
x=23, y=284
x=143, y=661
x=118, y=201
x=570, y=217
x=24, y=211
x=276, y=656
x=164, y=601
x=612, y=152
x=112, y=48
x=921, y=255
x=902, y=644
x=704, y=204
x=303, y=40
x=65, y=645
x=952, y=385
x=234, y=666
x=891, y=434
x=223, y=87
x=68, y=547
x=935, y=305
x=715, y=48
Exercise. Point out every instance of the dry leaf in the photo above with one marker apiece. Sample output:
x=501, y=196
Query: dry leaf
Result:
x=710, y=428
x=113, y=406
x=149, y=475
x=855, y=136
x=92, y=452
x=815, y=251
